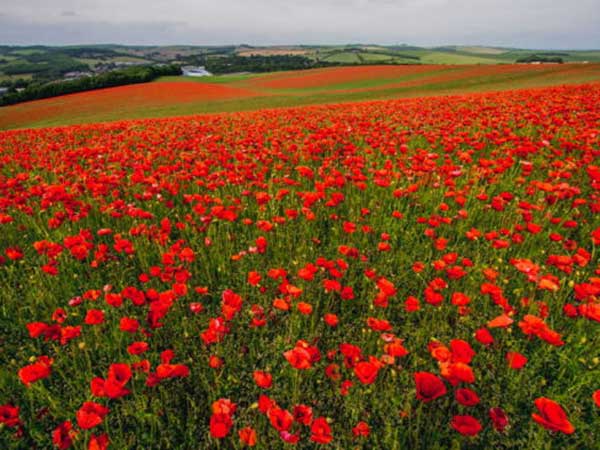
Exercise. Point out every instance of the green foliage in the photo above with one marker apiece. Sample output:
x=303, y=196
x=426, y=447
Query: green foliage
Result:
x=131, y=75
x=256, y=63
x=541, y=59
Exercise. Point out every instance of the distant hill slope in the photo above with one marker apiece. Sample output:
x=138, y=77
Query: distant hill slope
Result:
x=172, y=96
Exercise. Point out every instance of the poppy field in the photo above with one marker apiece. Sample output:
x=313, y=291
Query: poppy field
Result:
x=176, y=96
x=413, y=273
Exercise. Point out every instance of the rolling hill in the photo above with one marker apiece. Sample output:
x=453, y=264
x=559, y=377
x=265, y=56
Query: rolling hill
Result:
x=175, y=96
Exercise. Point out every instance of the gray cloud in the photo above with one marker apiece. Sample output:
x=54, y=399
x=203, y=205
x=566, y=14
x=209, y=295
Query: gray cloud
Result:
x=525, y=23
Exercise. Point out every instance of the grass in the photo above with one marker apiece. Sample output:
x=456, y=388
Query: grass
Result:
x=343, y=58
x=452, y=58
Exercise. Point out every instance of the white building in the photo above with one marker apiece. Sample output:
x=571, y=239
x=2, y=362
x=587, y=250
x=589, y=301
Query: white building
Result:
x=191, y=71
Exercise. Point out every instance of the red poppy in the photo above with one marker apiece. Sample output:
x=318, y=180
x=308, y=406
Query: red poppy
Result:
x=516, y=360
x=36, y=371
x=220, y=425
x=361, y=429
x=90, y=415
x=596, y=397
x=9, y=415
x=366, y=372
x=466, y=425
x=552, y=416
x=98, y=442
x=499, y=418
x=280, y=418
x=94, y=317
x=429, y=386
x=63, y=435
x=263, y=379
x=303, y=414
x=320, y=431
x=466, y=397
x=248, y=436
x=302, y=356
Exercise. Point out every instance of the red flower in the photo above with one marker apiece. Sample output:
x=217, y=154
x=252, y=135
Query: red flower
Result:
x=98, y=442
x=320, y=431
x=302, y=356
x=361, y=429
x=499, y=419
x=516, y=360
x=63, y=435
x=466, y=397
x=36, y=371
x=90, y=415
x=596, y=398
x=303, y=414
x=366, y=372
x=248, y=436
x=118, y=376
x=263, y=379
x=429, y=386
x=280, y=418
x=137, y=348
x=129, y=325
x=466, y=425
x=94, y=317
x=9, y=415
x=552, y=416
x=484, y=336
x=220, y=425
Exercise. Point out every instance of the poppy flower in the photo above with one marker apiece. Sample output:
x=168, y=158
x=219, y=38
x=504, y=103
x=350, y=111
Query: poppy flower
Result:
x=98, y=442
x=361, y=429
x=320, y=431
x=90, y=415
x=516, y=360
x=366, y=372
x=9, y=415
x=466, y=425
x=484, y=336
x=248, y=436
x=596, y=397
x=302, y=356
x=429, y=386
x=502, y=321
x=499, y=418
x=263, y=379
x=466, y=397
x=552, y=416
x=280, y=418
x=220, y=425
x=63, y=435
x=303, y=414
x=94, y=317
x=36, y=371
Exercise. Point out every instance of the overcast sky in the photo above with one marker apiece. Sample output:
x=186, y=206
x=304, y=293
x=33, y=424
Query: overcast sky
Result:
x=564, y=24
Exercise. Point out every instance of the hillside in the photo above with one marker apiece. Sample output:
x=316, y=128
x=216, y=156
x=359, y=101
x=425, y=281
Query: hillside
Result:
x=174, y=96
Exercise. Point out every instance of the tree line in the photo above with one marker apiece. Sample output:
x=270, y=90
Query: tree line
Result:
x=130, y=75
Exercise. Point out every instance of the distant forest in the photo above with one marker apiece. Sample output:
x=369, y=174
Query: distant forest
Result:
x=258, y=63
x=130, y=75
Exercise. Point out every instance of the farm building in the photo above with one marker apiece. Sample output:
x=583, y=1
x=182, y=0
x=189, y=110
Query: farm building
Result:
x=191, y=71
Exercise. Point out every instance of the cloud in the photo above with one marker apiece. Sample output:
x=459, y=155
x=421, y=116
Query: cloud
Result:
x=525, y=23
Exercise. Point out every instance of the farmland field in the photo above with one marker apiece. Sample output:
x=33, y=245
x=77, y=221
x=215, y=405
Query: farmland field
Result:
x=408, y=273
x=318, y=86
